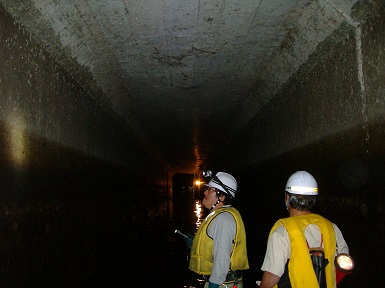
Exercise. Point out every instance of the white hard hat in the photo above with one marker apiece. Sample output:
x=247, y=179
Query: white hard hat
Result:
x=302, y=183
x=224, y=182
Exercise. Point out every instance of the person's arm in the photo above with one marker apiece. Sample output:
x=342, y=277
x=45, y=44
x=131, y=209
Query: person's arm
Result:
x=269, y=280
x=277, y=254
x=222, y=230
x=342, y=246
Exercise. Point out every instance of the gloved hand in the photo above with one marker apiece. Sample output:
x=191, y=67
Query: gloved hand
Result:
x=213, y=285
x=189, y=240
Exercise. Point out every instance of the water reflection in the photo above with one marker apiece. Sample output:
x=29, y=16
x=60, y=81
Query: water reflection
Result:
x=198, y=280
x=198, y=213
x=160, y=255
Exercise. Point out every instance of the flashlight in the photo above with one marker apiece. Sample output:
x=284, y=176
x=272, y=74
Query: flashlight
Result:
x=344, y=265
x=180, y=233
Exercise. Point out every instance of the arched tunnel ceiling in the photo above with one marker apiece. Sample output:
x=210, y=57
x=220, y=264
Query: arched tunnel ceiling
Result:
x=185, y=76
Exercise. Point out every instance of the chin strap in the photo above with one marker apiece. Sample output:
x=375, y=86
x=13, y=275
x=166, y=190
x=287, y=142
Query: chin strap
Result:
x=216, y=203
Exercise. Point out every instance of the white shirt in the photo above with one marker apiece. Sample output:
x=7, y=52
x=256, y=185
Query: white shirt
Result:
x=278, y=247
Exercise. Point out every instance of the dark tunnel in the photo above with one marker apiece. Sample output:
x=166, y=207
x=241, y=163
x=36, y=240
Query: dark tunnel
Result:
x=84, y=203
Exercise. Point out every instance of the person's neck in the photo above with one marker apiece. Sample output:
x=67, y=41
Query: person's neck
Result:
x=219, y=205
x=295, y=212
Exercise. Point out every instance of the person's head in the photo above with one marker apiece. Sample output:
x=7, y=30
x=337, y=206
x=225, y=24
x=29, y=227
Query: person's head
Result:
x=301, y=191
x=220, y=189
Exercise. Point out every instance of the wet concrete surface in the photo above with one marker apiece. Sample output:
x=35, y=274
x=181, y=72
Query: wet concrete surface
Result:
x=159, y=255
x=92, y=246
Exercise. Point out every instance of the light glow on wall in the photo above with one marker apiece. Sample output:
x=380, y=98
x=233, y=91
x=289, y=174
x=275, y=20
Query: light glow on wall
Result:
x=17, y=141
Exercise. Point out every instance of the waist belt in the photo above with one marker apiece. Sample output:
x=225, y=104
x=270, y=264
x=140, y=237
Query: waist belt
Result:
x=232, y=276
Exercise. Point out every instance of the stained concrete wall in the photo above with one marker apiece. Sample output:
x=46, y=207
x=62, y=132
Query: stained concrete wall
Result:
x=329, y=119
x=40, y=97
x=42, y=106
x=339, y=89
x=74, y=181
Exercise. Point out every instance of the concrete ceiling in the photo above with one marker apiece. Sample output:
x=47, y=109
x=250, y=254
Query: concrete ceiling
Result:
x=184, y=75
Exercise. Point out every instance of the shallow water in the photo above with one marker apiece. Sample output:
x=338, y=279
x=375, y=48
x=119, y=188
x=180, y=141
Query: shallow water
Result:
x=160, y=256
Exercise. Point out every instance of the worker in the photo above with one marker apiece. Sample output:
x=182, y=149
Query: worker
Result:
x=291, y=240
x=218, y=250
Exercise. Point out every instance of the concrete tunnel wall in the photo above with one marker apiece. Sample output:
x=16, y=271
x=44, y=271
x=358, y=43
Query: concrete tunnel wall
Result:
x=40, y=97
x=338, y=91
x=328, y=119
x=41, y=104
x=60, y=152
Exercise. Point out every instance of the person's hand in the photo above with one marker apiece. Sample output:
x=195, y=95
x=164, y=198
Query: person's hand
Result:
x=213, y=285
x=189, y=240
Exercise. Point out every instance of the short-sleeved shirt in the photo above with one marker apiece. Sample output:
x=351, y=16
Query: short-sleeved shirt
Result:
x=278, y=247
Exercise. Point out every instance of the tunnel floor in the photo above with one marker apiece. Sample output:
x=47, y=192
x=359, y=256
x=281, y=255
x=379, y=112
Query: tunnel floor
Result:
x=151, y=256
x=160, y=255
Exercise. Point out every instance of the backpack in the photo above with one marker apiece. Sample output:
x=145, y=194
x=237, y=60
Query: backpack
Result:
x=319, y=262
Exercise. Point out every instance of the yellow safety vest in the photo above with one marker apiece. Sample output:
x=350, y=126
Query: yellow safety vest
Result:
x=201, y=256
x=300, y=267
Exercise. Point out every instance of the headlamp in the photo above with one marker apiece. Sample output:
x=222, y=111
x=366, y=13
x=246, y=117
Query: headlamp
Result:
x=207, y=173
